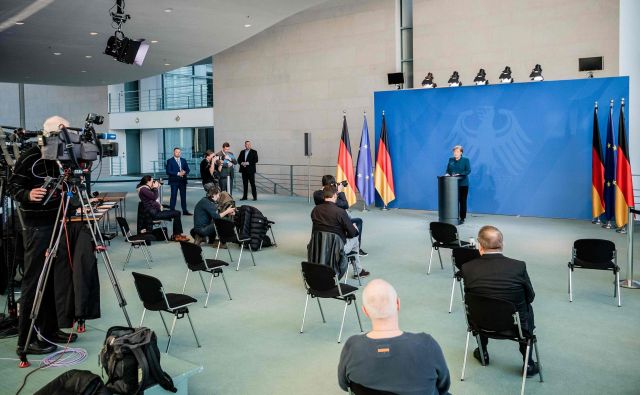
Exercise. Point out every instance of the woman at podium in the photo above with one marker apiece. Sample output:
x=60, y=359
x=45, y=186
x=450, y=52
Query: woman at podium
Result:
x=459, y=166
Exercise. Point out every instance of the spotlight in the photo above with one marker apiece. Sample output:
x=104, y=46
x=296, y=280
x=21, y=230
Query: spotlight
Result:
x=505, y=76
x=454, y=81
x=126, y=50
x=536, y=73
x=481, y=78
x=427, y=82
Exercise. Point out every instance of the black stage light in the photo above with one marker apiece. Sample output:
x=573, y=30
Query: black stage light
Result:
x=536, y=73
x=126, y=50
x=428, y=82
x=454, y=81
x=481, y=78
x=505, y=76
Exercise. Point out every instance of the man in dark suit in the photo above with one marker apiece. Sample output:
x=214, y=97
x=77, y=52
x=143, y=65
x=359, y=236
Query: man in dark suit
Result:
x=248, y=159
x=177, y=171
x=493, y=274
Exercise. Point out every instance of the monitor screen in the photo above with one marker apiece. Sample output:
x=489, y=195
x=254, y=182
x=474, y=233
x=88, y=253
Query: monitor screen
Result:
x=395, y=78
x=590, y=64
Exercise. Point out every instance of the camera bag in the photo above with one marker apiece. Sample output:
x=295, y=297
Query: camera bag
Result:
x=131, y=359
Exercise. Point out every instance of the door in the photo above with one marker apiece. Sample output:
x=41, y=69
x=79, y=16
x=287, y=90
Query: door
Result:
x=133, y=151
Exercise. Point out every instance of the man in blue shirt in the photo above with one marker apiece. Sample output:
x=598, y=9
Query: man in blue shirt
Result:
x=205, y=212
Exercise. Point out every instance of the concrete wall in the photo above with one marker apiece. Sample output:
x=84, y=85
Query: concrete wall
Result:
x=299, y=75
x=466, y=35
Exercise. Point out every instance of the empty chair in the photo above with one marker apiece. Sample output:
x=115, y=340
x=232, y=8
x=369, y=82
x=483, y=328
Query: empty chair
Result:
x=443, y=235
x=135, y=242
x=321, y=281
x=227, y=233
x=497, y=319
x=154, y=298
x=595, y=254
x=192, y=254
x=460, y=256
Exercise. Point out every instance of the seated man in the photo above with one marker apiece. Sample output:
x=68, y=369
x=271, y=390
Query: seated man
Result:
x=388, y=359
x=328, y=217
x=493, y=274
x=148, y=193
x=205, y=212
x=340, y=202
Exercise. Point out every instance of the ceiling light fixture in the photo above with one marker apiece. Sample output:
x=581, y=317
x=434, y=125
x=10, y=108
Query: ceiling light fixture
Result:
x=167, y=64
x=168, y=10
x=93, y=33
x=248, y=21
x=83, y=71
x=19, y=23
x=57, y=53
x=120, y=47
x=154, y=41
x=88, y=56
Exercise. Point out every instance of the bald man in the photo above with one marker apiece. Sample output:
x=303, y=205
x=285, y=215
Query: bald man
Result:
x=388, y=359
x=494, y=275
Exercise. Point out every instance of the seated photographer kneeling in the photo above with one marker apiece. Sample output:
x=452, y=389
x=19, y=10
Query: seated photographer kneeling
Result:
x=207, y=210
x=148, y=193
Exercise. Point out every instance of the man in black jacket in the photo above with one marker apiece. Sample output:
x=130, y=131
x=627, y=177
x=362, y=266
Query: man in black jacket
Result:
x=493, y=274
x=248, y=159
x=341, y=202
x=328, y=217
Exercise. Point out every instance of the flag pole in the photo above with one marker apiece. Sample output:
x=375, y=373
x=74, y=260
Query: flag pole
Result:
x=608, y=224
x=364, y=208
x=596, y=220
x=623, y=228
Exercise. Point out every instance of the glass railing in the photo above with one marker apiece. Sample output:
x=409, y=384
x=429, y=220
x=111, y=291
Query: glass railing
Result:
x=181, y=97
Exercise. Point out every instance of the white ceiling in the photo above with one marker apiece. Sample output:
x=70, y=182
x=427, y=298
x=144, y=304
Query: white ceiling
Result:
x=193, y=30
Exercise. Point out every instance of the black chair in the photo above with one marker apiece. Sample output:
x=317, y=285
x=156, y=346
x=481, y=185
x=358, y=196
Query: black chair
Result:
x=327, y=248
x=228, y=233
x=273, y=237
x=154, y=298
x=321, y=281
x=443, y=235
x=358, y=389
x=460, y=256
x=135, y=242
x=146, y=222
x=497, y=319
x=192, y=254
x=596, y=254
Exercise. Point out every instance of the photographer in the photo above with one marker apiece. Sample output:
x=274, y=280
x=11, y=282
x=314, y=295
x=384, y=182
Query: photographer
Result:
x=148, y=193
x=228, y=160
x=25, y=187
x=329, y=180
x=210, y=169
x=206, y=211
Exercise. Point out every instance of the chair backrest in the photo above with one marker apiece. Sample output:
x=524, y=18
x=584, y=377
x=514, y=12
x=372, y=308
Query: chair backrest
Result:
x=150, y=291
x=124, y=226
x=192, y=254
x=594, y=251
x=358, y=389
x=226, y=230
x=327, y=248
x=462, y=255
x=318, y=277
x=492, y=317
x=443, y=232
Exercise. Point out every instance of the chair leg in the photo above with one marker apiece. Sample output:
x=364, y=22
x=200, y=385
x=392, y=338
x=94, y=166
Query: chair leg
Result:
x=202, y=281
x=524, y=368
x=193, y=330
x=440, y=257
x=464, y=362
x=240, y=256
x=128, y=256
x=355, y=270
x=570, y=287
x=217, y=250
x=148, y=251
x=617, y=289
x=230, y=257
x=142, y=318
x=321, y=312
x=430, y=259
x=304, y=315
x=344, y=313
x=273, y=237
x=184, y=286
x=482, y=350
x=207, y=290
x=164, y=323
x=166, y=238
x=346, y=276
x=147, y=256
x=251, y=251
x=453, y=288
x=535, y=348
x=355, y=304
x=225, y=285
x=173, y=326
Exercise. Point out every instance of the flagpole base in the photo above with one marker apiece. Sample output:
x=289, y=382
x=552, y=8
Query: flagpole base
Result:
x=596, y=221
x=607, y=225
x=384, y=208
x=632, y=284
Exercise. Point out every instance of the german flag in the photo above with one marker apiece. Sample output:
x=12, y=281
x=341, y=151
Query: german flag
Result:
x=624, y=184
x=383, y=178
x=597, y=170
x=344, y=170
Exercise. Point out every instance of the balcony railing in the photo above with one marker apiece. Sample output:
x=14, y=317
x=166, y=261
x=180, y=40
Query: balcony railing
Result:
x=182, y=97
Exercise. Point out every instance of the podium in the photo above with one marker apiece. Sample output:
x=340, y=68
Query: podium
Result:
x=448, y=210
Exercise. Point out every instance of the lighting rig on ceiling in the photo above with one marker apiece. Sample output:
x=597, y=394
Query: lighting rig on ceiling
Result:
x=428, y=81
x=481, y=78
x=536, y=73
x=454, y=80
x=120, y=47
x=505, y=76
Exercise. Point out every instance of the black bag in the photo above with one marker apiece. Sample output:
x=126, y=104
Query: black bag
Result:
x=251, y=223
x=75, y=382
x=131, y=359
x=159, y=233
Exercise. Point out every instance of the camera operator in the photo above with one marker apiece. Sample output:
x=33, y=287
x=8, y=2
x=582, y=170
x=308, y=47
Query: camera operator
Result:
x=210, y=169
x=148, y=194
x=25, y=187
x=228, y=160
x=340, y=202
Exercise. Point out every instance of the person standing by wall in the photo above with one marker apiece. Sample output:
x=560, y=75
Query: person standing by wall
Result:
x=248, y=159
x=228, y=160
x=177, y=170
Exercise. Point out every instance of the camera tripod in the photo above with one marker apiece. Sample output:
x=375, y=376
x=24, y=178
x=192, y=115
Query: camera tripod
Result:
x=76, y=183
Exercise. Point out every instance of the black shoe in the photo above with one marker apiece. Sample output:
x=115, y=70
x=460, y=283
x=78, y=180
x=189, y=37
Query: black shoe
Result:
x=532, y=370
x=363, y=273
x=244, y=198
x=476, y=355
x=63, y=337
x=37, y=348
x=461, y=221
x=188, y=214
x=362, y=252
x=254, y=199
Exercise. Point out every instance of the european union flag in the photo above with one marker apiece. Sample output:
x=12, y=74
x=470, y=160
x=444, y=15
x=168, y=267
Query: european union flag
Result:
x=610, y=170
x=364, y=168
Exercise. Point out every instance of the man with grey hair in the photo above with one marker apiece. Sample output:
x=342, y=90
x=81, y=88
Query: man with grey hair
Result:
x=494, y=275
x=388, y=359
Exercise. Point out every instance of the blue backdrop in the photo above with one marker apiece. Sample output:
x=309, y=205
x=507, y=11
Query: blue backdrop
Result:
x=529, y=143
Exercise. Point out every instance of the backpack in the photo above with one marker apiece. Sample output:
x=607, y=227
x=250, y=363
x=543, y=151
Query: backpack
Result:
x=75, y=382
x=131, y=359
